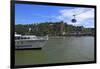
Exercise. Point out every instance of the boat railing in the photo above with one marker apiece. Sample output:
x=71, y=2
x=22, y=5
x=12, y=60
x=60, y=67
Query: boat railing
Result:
x=31, y=38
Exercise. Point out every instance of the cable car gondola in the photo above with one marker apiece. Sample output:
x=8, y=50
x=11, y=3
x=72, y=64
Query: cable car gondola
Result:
x=74, y=19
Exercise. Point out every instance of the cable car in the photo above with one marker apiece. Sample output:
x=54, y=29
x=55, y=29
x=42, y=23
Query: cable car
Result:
x=74, y=19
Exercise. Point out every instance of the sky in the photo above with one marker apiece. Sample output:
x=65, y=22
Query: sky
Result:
x=29, y=14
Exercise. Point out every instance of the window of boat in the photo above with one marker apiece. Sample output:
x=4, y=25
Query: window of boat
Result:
x=17, y=38
x=24, y=46
x=21, y=42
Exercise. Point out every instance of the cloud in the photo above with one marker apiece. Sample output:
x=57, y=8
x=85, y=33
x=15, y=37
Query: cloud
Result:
x=82, y=16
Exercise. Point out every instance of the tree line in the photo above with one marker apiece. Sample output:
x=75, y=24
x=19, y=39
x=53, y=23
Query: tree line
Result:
x=51, y=28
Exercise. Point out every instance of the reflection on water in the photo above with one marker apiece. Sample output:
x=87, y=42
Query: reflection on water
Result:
x=59, y=50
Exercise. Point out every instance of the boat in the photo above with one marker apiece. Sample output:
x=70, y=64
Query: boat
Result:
x=23, y=42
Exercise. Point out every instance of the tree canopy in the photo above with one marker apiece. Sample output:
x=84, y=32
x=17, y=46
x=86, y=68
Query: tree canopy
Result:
x=51, y=28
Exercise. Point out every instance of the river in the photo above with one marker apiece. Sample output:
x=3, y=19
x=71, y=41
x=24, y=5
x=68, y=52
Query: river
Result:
x=59, y=50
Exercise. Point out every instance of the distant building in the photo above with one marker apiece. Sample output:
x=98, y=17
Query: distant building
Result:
x=62, y=28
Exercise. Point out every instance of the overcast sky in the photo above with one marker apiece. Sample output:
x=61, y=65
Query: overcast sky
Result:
x=28, y=14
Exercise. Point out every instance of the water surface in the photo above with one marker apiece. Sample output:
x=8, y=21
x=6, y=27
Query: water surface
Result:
x=59, y=50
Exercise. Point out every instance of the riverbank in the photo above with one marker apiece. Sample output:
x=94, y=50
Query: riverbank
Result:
x=70, y=35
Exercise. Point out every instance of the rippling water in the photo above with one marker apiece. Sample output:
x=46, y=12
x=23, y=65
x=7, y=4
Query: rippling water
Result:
x=58, y=50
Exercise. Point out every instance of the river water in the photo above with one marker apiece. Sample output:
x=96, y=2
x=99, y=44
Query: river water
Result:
x=59, y=50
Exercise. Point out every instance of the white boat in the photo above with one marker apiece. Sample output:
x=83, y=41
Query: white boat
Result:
x=29, y=41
